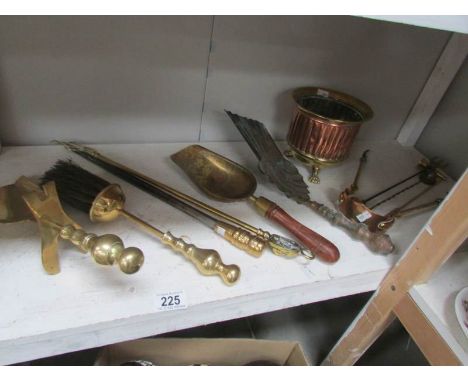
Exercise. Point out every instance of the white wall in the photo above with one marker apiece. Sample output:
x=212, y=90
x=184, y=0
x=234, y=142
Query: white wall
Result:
x=102, y=79
x=256, y=61
x=446, y=134
x=153, y=79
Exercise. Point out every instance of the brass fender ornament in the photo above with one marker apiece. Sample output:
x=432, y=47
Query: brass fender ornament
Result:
x=25, y=200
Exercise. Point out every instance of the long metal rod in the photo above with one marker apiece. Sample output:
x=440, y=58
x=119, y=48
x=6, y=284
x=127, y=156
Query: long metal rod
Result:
x=434, y=203
x=393, y=186
x=200, y=216
x=394, y=195
x=279, y=245
x=94, y=155
x=401, y=209
x=146, y=226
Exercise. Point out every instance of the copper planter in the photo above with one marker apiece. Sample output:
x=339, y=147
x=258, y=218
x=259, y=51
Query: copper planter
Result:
x=324, y=125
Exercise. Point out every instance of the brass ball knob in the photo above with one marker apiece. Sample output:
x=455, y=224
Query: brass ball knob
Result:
x=232, y=273
x=106, y=249
x=131, y=260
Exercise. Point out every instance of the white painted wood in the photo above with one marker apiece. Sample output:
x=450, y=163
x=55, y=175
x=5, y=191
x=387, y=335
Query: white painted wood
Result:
x=445, y=135
x=450, y=23
x=447, y=66
x=257, y=61
x=109, y=79
x=436, y=300
x=88, y=305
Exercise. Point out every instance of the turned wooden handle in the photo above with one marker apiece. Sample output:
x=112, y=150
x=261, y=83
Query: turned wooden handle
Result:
x=320, y=247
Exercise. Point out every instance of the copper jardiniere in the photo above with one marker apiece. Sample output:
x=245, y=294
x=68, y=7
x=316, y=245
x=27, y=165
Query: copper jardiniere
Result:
x=324, y=125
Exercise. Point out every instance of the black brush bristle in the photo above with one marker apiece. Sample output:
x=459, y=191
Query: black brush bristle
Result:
x=75, y=186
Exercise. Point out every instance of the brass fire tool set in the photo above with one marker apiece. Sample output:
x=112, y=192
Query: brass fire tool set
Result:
x=429, y=174
x=324, y=125
x=26, y=200
x=104, y=202
x=237, y=232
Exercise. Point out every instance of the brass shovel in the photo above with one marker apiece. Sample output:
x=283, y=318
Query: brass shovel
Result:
x=227, y=181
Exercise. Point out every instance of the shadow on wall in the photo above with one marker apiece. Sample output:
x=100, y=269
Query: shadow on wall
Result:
x=7, y=122
x=256, y=61
x=103, y=79
x=111, y=79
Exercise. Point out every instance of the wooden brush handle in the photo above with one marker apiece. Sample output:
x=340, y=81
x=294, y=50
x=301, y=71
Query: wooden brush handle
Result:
x=320, y=247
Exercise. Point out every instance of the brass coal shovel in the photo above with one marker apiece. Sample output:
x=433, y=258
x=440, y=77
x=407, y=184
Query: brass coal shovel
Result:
x=227, y=181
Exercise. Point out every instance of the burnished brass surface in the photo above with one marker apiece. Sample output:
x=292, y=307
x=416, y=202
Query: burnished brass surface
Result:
x=12, y=206
x=262, y=205
x=361, y=108
x=207, y=261
x=45, y=208
x=324, y=125
x=108, y=204
x=201, y=258
x=241, y=238
x=225, y=180
x=315, y=163
x=107, y=249
x=217, y=176
x=274, y=241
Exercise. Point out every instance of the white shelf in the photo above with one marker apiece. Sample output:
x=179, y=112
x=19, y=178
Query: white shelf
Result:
x=436, y=300
x=88, y=305
x=450, y=23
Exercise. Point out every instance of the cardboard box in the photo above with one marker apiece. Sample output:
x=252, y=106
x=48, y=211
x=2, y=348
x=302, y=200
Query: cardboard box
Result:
x=215, y=352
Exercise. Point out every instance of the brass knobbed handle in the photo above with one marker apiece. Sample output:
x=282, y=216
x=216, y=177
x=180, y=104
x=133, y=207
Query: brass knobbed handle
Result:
x=207, y=261
x=240, y=238
x=42, y=204
x=376, y=242
x=106, y=249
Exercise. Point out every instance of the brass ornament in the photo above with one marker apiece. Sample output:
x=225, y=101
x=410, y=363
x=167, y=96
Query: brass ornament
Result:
x=109, y=204
x=207, y=261
x=25, y=200
x=225, y=180
x=105, y=202
x=189, y=205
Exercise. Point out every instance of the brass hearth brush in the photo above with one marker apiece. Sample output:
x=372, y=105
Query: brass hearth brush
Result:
x=104, y=202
